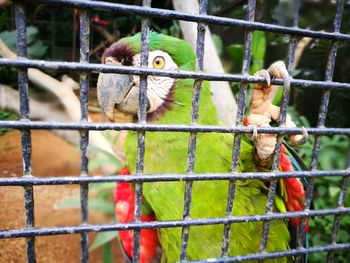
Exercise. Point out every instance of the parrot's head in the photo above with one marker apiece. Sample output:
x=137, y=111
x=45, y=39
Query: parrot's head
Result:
x=120, y=92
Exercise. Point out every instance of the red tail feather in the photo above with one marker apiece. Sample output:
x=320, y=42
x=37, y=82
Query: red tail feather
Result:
x=294, y=189
x=124, y=208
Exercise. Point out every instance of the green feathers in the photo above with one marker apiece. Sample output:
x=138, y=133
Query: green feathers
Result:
x=166, y=152
x=180, y=51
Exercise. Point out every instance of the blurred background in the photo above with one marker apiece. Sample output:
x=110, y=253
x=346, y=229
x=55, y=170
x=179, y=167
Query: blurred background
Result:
x=53, y=34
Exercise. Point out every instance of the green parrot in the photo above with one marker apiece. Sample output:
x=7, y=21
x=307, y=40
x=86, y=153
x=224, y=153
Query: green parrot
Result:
x=169, y=102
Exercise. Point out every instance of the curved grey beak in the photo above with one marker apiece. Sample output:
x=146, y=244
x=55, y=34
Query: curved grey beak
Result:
x=117, y=92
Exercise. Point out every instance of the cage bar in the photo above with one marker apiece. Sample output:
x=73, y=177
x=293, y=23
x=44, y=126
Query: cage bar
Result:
x=31, y=232
x=284, y=111
x=71, y=66
x=25, y=133
x=84, y=31
x=141, y=134
x=321, y=123
x=166, y=127
x=275, y=164
x=337, y=218
x=201, y=28
x=293, y=39
x=250, y=16
x=25, y=181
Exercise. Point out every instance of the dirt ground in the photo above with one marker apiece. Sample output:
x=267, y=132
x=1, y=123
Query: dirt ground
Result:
x=47, y=160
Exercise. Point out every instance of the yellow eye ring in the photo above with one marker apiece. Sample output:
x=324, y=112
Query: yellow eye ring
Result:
x=158, y=62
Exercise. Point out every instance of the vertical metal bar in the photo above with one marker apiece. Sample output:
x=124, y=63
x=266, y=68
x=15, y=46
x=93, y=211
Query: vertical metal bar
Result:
x=337, y=218
x=321, y=122
x=84, y=135
x=284, y=111
x=25, y=134
x=275, y=164
x=239, y=121
x=293, y=39
x=142, y=114
x=292, y=47
x=201, y=28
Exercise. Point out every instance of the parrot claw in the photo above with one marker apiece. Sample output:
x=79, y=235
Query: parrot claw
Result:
x=303, y=140
x=264, y=74
x=255, y=134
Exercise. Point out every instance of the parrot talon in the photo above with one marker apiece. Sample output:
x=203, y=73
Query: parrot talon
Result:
x=255, y=134
x=264, y=74
x=305, y=136
x=300, y=141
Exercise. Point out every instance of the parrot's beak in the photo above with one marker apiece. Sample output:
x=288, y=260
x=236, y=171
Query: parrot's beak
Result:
x=117, y=93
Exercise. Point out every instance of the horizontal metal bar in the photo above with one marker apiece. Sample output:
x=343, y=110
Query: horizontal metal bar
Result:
x=75, y=66
x=41, y=125
x=26, y=181
x=29, y=232
x=170, y=14
x=278, y=254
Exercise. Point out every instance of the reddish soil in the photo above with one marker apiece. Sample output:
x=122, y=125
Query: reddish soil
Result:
x=51, y=156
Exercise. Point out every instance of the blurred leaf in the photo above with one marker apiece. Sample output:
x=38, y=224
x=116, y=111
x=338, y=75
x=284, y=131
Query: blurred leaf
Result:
x=344, y=236
x=107, y=158
x=96, y=163
x=321, y=190
x=333, y=191
x=107, y=253
x=36, y=48
x=258, y=51
x=96, y=204
x=6, y=116
x=103, y=238
x=101, y=186
x=278, y=97
x=236, y=54
x=3, y=18
x=219, y=46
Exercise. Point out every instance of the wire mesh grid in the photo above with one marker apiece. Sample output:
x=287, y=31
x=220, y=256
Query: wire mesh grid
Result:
x=84, y=67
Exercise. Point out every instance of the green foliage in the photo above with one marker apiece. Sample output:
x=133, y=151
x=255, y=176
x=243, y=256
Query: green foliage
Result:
x=174, y=30
x=95, y=203
x=104, y=158
x=99, y=201
x=333, y=153
x=107, y=253
x=236, y=54
x=36, y=47
x=334, y=149
x=6, y=116
x=219, y=46
x=258, y=51
x=102, y=238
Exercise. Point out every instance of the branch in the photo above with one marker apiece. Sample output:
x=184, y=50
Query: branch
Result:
x=70, y=102
x=9, y=101
x=222, y=96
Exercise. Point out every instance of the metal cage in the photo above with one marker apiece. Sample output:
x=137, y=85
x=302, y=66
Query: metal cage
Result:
x=27, y=181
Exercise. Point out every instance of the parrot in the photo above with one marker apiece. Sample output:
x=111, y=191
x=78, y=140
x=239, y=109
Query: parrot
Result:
x=169, y=101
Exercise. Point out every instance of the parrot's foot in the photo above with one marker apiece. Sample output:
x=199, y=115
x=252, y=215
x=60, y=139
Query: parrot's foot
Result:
x=263, y=73
x=299, y=139
x=278, y=70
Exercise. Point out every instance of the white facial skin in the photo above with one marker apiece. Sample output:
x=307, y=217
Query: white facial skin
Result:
x=157, y=87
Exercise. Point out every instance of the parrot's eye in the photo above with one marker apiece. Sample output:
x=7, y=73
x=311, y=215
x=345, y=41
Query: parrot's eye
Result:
x=158, y=62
